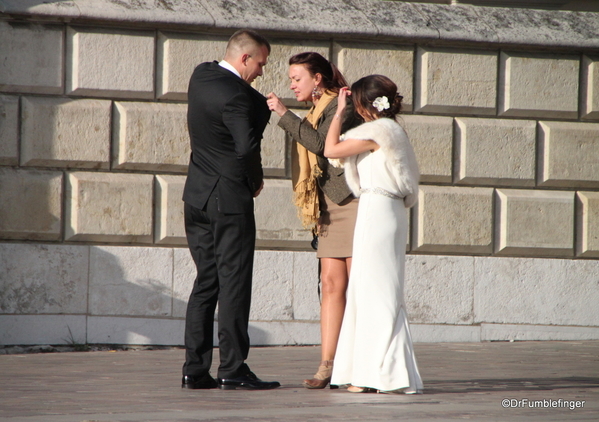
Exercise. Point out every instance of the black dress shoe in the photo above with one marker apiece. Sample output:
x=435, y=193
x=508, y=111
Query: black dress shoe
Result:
x=247, y=382
x=205, y=382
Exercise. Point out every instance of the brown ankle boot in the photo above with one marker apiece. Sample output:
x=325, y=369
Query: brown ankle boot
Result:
x=322, y=377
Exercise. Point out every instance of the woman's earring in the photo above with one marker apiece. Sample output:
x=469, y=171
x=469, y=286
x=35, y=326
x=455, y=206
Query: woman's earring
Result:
x=316, y=93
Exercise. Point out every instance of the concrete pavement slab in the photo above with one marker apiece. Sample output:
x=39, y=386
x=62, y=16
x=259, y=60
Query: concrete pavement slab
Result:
x=542, y=381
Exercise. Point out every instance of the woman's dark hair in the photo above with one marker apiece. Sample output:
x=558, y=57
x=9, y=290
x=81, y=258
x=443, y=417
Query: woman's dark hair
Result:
x=332, y=79
x=365, y=90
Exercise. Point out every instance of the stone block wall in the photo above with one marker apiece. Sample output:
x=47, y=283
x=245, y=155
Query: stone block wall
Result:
x=504, y=240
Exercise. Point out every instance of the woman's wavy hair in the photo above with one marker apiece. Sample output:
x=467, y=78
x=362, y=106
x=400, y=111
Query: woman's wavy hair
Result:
x=367, y=89
x=332, y=79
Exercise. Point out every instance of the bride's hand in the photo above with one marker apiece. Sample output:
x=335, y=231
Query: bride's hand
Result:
x=275, y=104
x=342, y=100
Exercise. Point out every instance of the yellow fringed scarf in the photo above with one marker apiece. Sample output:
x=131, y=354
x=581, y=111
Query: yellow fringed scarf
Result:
x=305, y=170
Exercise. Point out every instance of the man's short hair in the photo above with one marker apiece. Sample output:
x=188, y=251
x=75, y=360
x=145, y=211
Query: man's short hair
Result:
x=245, y=38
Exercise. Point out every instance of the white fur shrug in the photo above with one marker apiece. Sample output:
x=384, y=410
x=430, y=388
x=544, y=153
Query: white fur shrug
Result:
x=394, y=143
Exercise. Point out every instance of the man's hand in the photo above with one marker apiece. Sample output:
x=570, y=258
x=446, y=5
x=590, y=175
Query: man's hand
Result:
x=259, y=190
x=275, y=104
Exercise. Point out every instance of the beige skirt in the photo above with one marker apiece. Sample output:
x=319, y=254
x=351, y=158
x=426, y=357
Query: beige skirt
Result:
x=336, y=227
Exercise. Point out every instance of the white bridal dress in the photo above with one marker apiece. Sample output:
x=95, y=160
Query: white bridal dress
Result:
x=375, y=346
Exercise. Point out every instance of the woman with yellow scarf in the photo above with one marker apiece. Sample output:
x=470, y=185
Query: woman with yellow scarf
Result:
x=325, y=202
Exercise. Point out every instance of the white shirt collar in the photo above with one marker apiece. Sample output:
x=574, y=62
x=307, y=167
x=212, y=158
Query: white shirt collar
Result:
x=229, y=67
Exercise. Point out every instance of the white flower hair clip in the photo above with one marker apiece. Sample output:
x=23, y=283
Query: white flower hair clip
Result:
x=381, y=103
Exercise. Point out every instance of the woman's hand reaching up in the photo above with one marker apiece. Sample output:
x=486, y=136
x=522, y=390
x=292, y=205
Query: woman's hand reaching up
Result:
x=275, y=104
x=342, y=101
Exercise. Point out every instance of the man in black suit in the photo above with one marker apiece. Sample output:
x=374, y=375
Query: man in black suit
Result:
x=226, y=118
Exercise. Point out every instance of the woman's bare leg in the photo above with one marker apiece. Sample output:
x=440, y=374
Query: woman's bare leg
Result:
x=334, y=277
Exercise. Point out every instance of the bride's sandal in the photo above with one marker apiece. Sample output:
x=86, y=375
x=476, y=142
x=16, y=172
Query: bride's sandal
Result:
x=322, y=378
x=411, y=390
x=408, y=390
x=354, y=389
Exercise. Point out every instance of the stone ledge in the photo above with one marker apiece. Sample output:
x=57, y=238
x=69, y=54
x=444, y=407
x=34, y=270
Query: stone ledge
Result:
x=54, y=329
x=124, y=330
x=513, y=332
x=441, y=333
x=43, y=329
x=364, y=18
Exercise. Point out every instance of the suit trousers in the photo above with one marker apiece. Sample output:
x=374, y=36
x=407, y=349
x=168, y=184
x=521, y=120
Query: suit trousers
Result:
x=222, y=247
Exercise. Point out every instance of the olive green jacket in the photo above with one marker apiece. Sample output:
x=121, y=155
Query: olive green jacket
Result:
x=332, y=180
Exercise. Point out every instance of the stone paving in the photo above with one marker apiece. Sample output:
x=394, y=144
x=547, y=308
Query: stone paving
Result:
x=462, y=381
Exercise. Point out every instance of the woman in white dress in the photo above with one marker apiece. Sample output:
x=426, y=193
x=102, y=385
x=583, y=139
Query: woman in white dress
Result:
x=375, y=351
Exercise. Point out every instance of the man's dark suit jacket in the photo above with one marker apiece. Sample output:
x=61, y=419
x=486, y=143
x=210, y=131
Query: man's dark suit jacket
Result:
x=226, y=118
